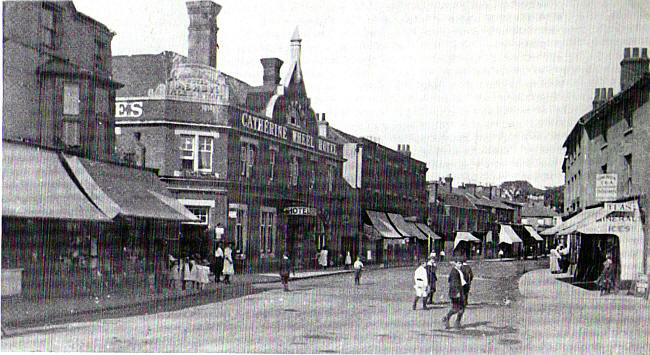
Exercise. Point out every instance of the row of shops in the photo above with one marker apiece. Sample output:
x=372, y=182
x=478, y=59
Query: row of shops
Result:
x=75, y=226
x=505, y=240
x=614, y=229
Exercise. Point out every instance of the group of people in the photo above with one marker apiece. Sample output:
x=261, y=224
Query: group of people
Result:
x=559, y=260
x=194, y=272
x=460, y=280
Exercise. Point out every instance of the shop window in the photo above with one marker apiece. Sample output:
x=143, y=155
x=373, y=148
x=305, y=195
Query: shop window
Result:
x=628, y=172
x=201, y=212
x=70, y=98
x=205, y=153
x=71, y=133
x=196, y=152
x=293, y=171
x=247, y=157
x=48, y=24
x=330, y=178
x=267, y=230
x=101, y=102
x=239, y=215
x=187, y=152
x=272, y=157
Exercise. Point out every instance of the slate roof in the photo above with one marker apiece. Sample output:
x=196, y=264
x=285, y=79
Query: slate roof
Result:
x=538, y=211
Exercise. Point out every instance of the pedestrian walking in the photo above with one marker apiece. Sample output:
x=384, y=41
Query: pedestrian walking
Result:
x=469, y=276
x=348, y=260
x=432, y=277
x=442, y=255
x=285, y=269
x=456, y=282
x=218, y=263
x=421, y=286
x=228, y=267
x=501, y=253
x=322, y=258
x=186, y=271
x=358, y=268
x=605, y=281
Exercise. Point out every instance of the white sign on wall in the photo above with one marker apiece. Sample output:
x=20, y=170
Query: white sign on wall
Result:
x=606, y=187
x=128, y=109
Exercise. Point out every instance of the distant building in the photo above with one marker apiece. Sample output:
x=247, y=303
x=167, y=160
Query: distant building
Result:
x=539, y=217
x=391, y=190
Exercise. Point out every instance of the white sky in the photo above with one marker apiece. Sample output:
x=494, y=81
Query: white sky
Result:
x=484, y=90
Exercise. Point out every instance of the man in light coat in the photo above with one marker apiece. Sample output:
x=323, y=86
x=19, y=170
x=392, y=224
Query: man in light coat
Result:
x=421, y=285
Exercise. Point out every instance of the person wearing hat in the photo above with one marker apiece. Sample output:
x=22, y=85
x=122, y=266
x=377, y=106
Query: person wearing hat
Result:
x=432, y=277
x=421, y=285
x=469, y=276
x=456, y=283
x=285, y=268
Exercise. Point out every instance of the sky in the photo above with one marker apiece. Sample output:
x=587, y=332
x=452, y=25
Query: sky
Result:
x=484, y=91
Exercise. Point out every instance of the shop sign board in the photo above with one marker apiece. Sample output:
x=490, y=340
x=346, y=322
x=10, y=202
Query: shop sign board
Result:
x=193, y=82
x=128, y=109
x=300, y=211
x=606, y=187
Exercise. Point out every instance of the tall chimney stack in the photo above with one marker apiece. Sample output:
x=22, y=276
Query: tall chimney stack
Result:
x=202, y=32
x=271, y=71
x=601, y=96
x=633, y=66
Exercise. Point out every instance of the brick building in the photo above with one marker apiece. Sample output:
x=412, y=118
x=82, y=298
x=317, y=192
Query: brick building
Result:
x=73, y=219
x=607, y=161
x=250, y=161
x=390, y=187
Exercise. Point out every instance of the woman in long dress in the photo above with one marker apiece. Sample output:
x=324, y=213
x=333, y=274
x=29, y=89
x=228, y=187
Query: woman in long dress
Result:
x=218, y=263
x=554, y=261
x=228, y=268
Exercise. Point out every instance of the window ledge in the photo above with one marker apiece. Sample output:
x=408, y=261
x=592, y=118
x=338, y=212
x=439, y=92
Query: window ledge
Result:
x=628, y=131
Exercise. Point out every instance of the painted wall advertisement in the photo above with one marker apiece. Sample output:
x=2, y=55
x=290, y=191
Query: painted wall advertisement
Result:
x=606, y=187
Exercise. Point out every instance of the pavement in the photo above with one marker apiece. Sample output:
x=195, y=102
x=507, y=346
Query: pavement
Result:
x=324, y=314
x=559, y=318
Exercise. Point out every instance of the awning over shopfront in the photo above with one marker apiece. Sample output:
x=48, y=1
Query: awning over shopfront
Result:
x=402, y=226
x=36, y=185
x=127, y=191
x=488, y=237
x=419, y=234
x=622, y=219
x=570, y=225
x=533, y=233
x=465, y=237
x=507, y=235
x=426, y=230
x=380, y=221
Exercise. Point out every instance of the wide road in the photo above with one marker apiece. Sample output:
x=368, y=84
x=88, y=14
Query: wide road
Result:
x=326, y=314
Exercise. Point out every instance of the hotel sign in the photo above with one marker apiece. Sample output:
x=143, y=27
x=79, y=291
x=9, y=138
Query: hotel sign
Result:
x=606, y=187
x=300, y=211
x=327, y=147
x=262, y=125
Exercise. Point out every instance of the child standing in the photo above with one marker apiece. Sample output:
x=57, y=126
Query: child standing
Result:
x=358, y=267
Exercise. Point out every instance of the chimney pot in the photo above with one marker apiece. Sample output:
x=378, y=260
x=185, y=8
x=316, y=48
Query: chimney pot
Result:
x=644, y=52
x=633, y=66
x=635, y=52
x=202, y=32
x=323, y=116
x=271, y=74
x=626, y=53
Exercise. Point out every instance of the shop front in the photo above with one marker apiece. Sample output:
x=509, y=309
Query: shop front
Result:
x=305, y=235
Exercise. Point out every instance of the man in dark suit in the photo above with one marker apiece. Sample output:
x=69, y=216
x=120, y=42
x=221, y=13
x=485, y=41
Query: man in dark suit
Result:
x=285, y=268
x=431, y=274
x=469, y=276
x=456, y=294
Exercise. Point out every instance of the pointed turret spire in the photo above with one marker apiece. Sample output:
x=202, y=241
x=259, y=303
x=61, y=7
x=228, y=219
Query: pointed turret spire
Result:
x=295, y=52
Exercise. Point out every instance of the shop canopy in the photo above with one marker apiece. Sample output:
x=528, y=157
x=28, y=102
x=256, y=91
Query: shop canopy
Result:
x=36, y=185
x=426, y=230
x=134, y=192
x=403, y=227
x=572, y=224
x=622, y=219
x=488, y=237
x=419, y=234
x=533, y=233
x=507, y=235
x=380, y=221
x=465, y=237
